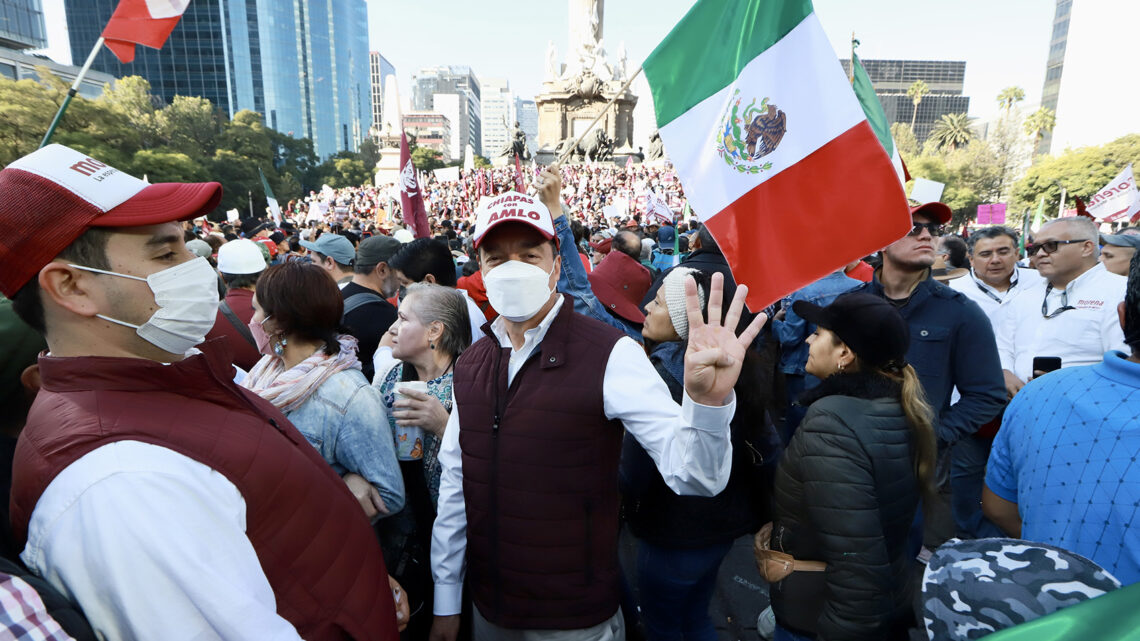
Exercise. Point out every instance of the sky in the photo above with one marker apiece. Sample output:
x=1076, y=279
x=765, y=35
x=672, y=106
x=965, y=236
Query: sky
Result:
x=1003, y=42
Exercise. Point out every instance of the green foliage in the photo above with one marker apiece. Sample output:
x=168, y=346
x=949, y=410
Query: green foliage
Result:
x=905, y=140
x=369, y=152
x=1039, y=123
x=1081, y=171
x=916, y=92
x=1009, y=97
x=481, y=162
x=951, y=131
x=427, y=159
x=187, y=140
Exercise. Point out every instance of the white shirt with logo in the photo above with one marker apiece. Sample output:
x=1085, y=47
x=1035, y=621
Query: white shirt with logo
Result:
x=1079, y=336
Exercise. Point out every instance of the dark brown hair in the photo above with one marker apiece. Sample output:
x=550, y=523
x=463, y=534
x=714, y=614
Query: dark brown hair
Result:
x=303, y=302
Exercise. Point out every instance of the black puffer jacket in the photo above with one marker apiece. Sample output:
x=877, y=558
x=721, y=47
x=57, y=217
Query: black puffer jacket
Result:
x=846, y=495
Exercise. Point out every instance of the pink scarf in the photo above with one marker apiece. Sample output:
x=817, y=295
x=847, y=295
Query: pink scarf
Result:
x=289, y=389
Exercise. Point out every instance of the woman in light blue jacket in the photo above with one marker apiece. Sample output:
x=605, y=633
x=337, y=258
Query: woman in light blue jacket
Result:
x=311, y=373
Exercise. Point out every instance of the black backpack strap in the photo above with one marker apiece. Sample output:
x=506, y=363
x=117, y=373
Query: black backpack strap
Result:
x=241, y=327
x=358, y=300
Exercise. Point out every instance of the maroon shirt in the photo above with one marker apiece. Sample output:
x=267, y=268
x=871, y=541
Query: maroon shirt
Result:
x=245, y=354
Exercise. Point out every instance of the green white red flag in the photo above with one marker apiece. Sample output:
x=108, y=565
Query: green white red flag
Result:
x=774, y=151
x=144, y=22
x=873, y=109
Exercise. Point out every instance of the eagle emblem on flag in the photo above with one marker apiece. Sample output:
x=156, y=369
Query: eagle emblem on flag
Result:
x=747, y=135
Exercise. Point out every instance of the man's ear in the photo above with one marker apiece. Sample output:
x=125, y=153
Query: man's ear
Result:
x=30, y=379
x=430, y=278
x=1120, y=312
x=67, y=287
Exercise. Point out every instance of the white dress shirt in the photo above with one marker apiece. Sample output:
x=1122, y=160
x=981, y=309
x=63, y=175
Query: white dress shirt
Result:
x=151, y=544
x=991, y=300
x=691, y=445
x=1079, y=336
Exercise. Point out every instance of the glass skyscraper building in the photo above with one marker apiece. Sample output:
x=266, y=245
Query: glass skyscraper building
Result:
x=892, y=78
x=22, y=24
x=302, y=64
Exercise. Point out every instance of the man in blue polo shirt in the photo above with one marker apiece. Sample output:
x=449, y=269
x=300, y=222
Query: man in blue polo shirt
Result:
x=1064, y=468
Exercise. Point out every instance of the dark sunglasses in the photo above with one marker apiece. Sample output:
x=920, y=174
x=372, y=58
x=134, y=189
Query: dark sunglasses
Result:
x=1049, y=246
x=935, y=229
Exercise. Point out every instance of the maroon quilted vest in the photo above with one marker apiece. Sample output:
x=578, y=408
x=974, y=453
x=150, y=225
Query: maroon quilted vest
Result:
x=540, y=479
x=312, y=539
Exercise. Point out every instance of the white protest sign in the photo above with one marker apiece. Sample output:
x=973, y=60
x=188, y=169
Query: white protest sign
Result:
x=1117, y=200
x=926, y=191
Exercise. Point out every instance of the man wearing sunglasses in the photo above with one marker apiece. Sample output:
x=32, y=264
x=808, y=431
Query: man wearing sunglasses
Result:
x=952, y=346
x=1071, y=314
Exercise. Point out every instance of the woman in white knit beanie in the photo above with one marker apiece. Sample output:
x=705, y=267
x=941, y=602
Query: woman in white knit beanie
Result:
x=683, y=540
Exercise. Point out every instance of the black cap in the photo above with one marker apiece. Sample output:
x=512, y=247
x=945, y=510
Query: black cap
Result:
x=869, y=325
x=377, y=249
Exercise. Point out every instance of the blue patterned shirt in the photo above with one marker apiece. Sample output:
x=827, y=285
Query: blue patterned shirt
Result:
x=1067, y=455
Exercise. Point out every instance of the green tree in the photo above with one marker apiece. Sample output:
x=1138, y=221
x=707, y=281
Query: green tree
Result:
x=27, y=110
x=481, y=162
x=916, y=92
x=247, y=136
x=131, y=97
x=952, y=131
x=905, y=141
x=296, y=157
x=426, y=159
x=239, y=178
x=1082, y=172
x=1009, y=97
x=1039, y=123
x=190, y=125
x=165, y=165
x=369, y=152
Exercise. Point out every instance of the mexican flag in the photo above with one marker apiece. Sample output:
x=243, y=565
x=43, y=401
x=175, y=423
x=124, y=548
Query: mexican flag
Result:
x=144, y=22
x=774, y=151
x=270, y=199
x=873, y=109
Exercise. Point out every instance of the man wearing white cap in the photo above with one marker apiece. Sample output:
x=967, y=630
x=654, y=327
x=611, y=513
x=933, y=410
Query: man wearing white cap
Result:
x=240, y=262
x=167, y=502
x=528, y=502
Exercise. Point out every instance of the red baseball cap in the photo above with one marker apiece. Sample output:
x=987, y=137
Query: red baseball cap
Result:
x=620, y=283
x=512, y=207
x=51, y=196
x=941, y=211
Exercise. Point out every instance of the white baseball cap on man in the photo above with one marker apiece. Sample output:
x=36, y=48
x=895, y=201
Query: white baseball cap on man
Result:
x=240, y=256
x=512, y=207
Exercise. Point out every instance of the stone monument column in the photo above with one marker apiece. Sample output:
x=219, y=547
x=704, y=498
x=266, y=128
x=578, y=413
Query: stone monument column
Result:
x=586, y=19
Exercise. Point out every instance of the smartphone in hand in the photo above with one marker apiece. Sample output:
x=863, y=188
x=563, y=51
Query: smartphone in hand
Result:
x=1046, y=364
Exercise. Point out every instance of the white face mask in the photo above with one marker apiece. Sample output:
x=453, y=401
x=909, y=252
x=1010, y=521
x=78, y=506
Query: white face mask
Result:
x=187, y=299
x=517, y=290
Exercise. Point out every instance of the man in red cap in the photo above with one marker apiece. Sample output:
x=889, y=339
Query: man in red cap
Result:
x=952, y=347
x=528, y=499
x=165, y=500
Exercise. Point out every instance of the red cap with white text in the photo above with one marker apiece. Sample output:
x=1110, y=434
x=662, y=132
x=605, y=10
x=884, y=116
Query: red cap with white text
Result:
x=51, y=196
x=512, y=207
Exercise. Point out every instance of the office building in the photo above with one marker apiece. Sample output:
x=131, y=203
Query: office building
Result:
x=892, y=78
x=22, y=24
x=432, y=130
x=527, y=112
x=303, y=64
x=1090, y=82
x=498, y=115
x=430, y=83
x=379, y=70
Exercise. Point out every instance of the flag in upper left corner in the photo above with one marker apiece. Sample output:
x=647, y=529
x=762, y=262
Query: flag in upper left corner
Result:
x=144, y=22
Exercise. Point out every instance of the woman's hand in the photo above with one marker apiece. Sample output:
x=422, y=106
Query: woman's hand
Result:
x=421, y=410
x=403, y=608
x=716, y=353
x=369, y=499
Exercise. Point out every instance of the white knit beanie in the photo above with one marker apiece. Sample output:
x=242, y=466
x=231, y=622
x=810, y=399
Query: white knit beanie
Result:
x=674, y=285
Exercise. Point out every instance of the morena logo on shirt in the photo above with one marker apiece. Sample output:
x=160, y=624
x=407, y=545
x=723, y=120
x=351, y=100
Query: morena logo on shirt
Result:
x=1090, y=304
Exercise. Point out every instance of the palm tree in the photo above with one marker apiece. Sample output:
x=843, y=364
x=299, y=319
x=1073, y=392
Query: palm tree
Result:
x=1009, y=97
x=1039, y=123
x=916, y=92
x=952, y=130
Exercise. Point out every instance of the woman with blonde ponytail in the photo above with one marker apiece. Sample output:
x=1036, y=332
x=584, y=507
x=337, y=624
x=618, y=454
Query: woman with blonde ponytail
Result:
x=850, y=481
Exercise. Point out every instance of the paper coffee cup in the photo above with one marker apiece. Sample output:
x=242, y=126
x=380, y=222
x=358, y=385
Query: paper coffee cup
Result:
x=410, y=440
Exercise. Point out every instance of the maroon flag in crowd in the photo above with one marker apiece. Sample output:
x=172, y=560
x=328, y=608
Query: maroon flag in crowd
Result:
x=411, y=198
x=518, y=175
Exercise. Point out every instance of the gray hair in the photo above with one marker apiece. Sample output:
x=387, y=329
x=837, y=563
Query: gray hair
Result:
x=1081, y=228
x=436, y=303
x=988, y=233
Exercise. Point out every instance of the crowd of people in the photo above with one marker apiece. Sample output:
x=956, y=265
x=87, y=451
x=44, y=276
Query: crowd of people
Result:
x=322, y=427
